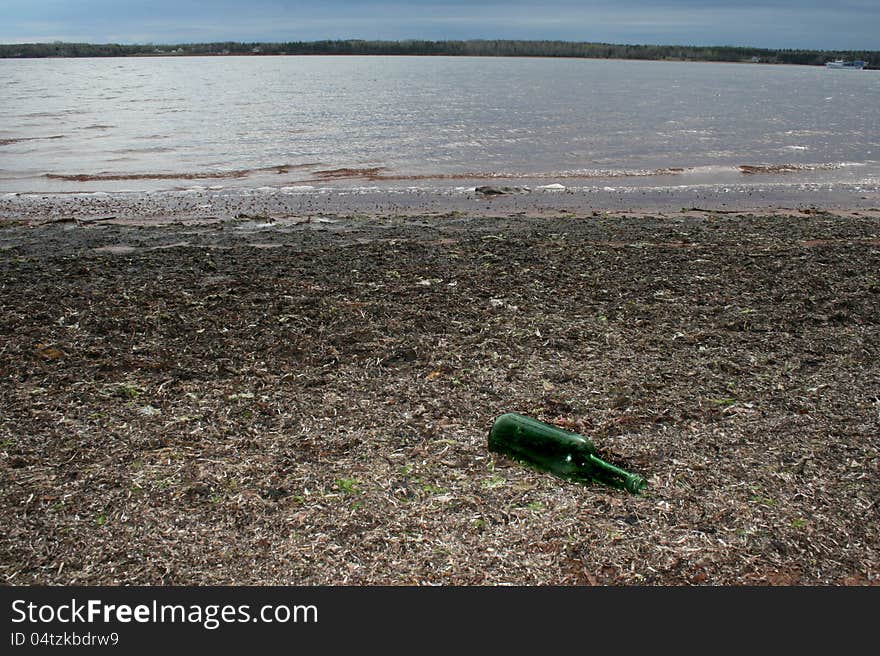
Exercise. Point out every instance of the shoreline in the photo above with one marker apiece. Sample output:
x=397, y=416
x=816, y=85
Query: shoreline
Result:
x=298, y=392
x=218, y=204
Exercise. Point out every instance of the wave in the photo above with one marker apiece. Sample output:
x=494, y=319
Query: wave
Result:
x=753, y=169
x=58, y=114
x=9, y=142
x=132, y=151
x=378, y=173
x=374, y=173
x=312, y=173
x=198, y=175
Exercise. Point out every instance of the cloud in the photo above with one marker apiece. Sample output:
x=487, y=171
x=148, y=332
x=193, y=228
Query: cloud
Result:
x=849, y=24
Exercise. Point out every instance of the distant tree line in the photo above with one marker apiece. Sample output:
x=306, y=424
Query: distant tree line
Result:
x=476, y=48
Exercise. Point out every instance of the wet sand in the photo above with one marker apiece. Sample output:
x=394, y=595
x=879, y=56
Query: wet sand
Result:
x=208, y=203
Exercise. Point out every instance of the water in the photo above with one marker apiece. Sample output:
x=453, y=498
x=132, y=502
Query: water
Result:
x=71, y=125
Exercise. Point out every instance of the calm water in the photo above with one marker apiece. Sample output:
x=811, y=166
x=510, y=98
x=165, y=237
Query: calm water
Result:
x=166, y=123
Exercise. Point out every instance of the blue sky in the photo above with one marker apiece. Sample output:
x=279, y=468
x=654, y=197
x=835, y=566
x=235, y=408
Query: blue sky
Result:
x=828, y=24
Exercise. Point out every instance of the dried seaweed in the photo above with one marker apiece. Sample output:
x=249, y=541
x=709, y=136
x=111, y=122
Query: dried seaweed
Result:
x=195, y=410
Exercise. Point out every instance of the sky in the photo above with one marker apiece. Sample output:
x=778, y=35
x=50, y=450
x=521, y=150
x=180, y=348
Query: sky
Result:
x=809, y=24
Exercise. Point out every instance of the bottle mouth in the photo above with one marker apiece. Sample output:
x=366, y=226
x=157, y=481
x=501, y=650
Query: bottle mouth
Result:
x=635, y=483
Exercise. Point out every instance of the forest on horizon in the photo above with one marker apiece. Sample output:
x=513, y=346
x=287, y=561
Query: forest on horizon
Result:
x=472, y=48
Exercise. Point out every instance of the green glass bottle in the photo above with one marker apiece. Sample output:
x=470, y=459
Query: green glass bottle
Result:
x=548, y=448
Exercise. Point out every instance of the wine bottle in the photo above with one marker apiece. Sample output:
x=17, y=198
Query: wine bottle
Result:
x=560, y=452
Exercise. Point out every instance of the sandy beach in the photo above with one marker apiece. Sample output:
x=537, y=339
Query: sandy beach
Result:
x=301, y=394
